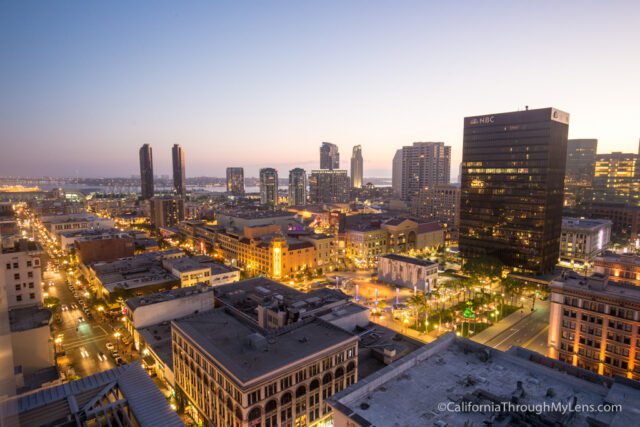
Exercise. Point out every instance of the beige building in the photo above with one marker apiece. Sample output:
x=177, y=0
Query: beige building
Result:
x=623, y=268
x=594, y=325
x=327, y=251
x=242, y=375
x=200, y=269
x=365, y=243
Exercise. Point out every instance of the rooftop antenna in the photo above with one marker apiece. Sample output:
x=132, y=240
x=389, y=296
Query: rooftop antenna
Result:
x=526, y=108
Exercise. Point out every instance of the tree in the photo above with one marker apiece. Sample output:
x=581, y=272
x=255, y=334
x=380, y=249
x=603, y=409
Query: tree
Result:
x=419, y=304
x=484, y=266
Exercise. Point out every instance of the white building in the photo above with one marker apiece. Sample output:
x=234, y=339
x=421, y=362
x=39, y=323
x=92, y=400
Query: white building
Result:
x=582, y=240
x=408, y=272
x=57, y=224
x=21, y=275
x=201, y=269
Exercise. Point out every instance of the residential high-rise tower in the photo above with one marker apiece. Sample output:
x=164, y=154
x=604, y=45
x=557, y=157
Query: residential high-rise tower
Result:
x=179, y=180
x=146, y=171
x=235, y=181
x=581, y=165
x=297, y=187
x=424, y=164
x=396, y=174
x=268, y=187
x=356, y=167
x=329, y=156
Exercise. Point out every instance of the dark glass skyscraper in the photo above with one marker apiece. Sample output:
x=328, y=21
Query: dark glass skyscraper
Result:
x=179, y=180
x=146, y=171
x=581, y=166
x=329, y=156
x=297, y=187
x=513, y=167
x=235, y=181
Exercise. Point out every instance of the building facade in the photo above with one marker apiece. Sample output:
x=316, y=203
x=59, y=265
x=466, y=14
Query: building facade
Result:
x=424, y=164
x=268, y=187
x=357, y=164
x=235, y=181
x=617, y=178
x=21, y=274
x=396, y=174
x=439, y=203
x=513, y=168
x=179, y=179
x=297, y=187
x=146, y=171
x=278, y=377
x=329, y=186
x=166, y=211
x=581, y=165
x=594, y=325
x=626, y=219
x=408, y=272
x=623, y=268
x=582, y=240
x=329, y=156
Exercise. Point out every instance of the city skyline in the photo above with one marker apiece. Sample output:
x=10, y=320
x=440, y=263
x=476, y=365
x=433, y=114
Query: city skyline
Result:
x=87, y=110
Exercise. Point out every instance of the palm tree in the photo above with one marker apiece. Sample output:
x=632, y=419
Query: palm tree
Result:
x=419, y=304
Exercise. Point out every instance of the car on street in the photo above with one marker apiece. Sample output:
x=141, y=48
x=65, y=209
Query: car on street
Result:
x=80, y=319
x=63, y=307
x=118, y=361
x=110, y=346
x=102, y=357
x=84, y=353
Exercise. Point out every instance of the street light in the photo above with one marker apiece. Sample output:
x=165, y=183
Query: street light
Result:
x=117, y=335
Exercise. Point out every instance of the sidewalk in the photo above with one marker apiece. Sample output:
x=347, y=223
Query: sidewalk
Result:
x=503, y=325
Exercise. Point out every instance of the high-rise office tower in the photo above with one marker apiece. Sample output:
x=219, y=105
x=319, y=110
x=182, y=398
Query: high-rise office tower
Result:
x=424, y=164
x=297, y=187
x=396, y=174
x=617, y=178
x=146, y=171
x=581, y=165
x=329, y=186
x=268, y=187
x=513, y=167
x=329, y=156
x=235, y=181
x=179, y=181
x=356, y=167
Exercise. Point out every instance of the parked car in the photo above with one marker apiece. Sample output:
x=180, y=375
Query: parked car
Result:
x=119, y=361
x=110, y=346
x=101, y=356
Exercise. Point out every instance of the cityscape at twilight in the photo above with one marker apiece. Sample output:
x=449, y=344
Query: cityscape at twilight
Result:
x=337, y=214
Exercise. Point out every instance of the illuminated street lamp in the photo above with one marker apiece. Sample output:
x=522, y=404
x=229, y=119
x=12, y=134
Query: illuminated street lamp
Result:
x=117, y=335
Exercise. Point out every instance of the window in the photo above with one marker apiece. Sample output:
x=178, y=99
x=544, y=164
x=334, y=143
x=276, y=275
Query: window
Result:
x=18, y=298
x=31, y=285
x=8, y=266
x=15, y=265
x=18, y=287
x=28, y=263
x=16, y=276
x=30, y=274
x=32, y=296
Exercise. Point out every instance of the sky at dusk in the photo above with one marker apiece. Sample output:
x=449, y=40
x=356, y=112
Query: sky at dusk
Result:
x=261, y=84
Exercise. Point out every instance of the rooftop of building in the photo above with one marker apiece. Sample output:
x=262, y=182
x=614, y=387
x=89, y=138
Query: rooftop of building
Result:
x=172, y=294
x=25, y=318
x=250, y=353
x=410, y=260
x=91, y=232
x=569, y=224
x=598, y=285
x=158, y=337
x=198, y=262
x=257, y=214
x=317, y=236
x=81, y=217
x=87, y=400
x=22, y=245
x=246, y=295
x=135, y=262
x=626, y=259
x=103, y=236
x=454, y=370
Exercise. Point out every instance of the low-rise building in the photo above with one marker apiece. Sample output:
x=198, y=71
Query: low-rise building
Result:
x=200, y=269
x=241, y=218
x=625, y=218
x=408, y=272
x=138, y=275
x=444, y=382
x=103, y=247
x=236, y=373
x=583, y=239
x=31, y=341
x=365, y=243
x=623, y=268
x=594, y=324
x=57, y=224
x=327, y=251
